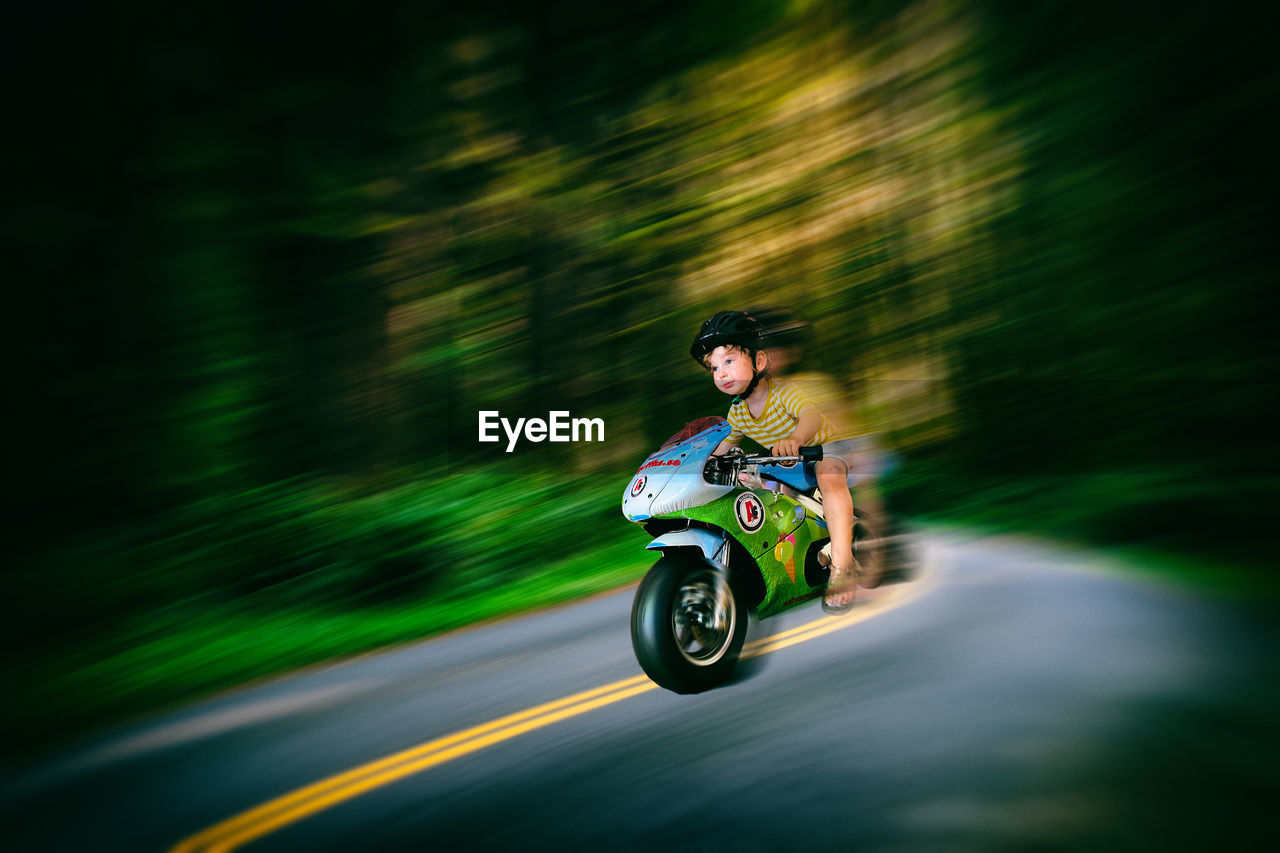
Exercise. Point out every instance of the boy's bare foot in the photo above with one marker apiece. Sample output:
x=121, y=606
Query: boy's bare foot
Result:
x=842, y=588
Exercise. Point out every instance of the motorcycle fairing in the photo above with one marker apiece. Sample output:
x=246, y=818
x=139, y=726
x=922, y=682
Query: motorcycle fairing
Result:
x=671, y=479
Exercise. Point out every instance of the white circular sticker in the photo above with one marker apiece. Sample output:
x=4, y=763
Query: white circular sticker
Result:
x=750, y=512
x=639, y=485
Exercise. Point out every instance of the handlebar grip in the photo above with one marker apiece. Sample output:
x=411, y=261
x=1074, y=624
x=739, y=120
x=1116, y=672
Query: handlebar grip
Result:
x=811, y=454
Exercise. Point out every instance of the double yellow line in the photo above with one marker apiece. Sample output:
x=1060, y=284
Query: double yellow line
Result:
x=317, y=797
x=304, y=802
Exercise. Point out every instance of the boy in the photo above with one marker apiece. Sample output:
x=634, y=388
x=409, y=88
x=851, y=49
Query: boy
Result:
x=779, y=416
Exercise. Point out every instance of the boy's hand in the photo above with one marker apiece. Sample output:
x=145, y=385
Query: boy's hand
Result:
x=786, y=447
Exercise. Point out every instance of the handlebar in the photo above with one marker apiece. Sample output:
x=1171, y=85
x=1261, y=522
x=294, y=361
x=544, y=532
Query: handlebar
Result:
x=807, y=454
x=724, y=469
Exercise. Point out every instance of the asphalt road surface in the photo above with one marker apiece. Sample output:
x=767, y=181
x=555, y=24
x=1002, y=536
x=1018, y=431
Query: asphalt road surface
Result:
x=1015, y=696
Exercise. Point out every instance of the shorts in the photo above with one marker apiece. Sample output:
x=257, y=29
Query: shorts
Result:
x=862, y=455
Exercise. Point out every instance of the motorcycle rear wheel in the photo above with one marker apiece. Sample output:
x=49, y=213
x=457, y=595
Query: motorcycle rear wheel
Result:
x=688, y=623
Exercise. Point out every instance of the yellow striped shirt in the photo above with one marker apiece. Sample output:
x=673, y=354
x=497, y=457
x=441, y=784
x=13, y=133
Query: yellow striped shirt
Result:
x=779, y=418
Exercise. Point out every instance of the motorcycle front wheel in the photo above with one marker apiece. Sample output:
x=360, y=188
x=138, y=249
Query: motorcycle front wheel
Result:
x=688, y=623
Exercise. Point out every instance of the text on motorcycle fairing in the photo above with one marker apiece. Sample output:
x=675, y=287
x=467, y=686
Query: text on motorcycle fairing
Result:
x=559, y=426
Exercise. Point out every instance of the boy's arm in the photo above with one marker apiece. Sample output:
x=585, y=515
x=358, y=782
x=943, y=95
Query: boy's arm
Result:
x=723, y=447
x=805, y=429
x=730, y=441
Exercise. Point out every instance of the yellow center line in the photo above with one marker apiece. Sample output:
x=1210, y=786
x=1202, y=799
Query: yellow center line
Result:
x=240, y=835
x=391, y=767
x=326, y=793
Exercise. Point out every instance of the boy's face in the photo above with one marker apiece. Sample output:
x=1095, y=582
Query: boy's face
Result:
x=730, y=369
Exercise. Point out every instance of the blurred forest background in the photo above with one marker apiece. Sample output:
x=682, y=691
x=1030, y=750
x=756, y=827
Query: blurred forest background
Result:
x=270, y=261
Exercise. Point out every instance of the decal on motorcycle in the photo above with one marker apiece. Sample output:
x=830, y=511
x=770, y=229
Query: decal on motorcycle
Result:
x=639, y=486
x=785, y=552
x=800, y=598
x=750, y=512
x=657, y=463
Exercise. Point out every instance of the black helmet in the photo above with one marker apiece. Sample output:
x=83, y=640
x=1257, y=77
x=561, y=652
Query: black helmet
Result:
x=727, y=328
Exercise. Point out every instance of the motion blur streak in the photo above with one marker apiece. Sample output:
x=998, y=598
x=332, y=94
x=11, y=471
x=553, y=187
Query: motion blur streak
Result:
x=1028, y=239
x=315, y=798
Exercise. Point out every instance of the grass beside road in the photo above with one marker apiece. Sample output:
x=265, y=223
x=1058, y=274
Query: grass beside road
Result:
x=168, y=660
x=134, y=621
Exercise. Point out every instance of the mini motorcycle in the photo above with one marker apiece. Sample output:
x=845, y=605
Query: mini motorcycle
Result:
x=738, y=534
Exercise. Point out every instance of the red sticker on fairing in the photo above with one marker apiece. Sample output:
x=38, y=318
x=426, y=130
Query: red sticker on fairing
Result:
x=638, y=487
x=750, y=512
x=658, y=463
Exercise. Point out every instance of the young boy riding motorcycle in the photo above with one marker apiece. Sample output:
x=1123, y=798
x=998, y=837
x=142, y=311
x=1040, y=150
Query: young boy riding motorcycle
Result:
x=779, y=415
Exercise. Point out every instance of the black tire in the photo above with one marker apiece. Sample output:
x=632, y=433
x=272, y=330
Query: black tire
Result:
x=688, y=623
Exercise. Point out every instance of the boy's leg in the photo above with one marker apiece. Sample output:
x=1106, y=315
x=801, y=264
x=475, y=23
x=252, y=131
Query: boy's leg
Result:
x=837, y=507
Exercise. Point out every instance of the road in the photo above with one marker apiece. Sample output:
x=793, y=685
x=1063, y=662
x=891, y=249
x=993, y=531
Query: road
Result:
x=1016, y=696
